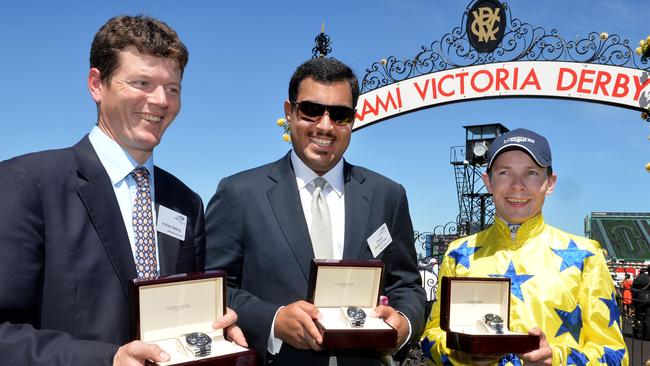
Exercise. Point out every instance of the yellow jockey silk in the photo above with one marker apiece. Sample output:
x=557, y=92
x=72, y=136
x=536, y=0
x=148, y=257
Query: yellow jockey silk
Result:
x=559, y=283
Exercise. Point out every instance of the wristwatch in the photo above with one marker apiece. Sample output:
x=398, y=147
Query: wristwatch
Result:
x=355, y=316
x=200, y=344
x=495, y=322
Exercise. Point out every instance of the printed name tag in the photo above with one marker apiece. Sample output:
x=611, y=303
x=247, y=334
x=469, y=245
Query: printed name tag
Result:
x=171, y=223
x=379, y=240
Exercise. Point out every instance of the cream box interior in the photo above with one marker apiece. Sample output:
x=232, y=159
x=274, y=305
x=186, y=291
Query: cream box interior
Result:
x=470, y=301
x=169, y=311
x=338, y=287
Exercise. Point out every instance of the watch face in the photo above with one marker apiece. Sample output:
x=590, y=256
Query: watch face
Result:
x=493, y=318
x=198, y=339
x=495, y=322
x=356, y=313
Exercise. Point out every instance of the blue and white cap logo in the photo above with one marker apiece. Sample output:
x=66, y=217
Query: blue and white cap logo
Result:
x=528, y=141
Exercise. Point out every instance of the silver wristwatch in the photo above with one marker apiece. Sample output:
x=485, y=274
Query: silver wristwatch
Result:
x=495, y=322
x=355, y=316
x=200, y=344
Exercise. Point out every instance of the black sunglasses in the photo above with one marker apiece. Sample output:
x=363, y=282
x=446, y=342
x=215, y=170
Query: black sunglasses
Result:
x=340, y=115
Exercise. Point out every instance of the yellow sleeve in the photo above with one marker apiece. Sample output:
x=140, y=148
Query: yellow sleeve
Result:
x=603, y=341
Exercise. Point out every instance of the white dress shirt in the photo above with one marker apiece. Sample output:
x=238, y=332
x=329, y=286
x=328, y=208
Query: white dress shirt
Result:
x=119, y=164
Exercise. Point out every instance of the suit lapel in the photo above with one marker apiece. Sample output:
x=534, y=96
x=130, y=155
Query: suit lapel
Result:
x=168, y=246
x=285, y=202
x=357, y=209
x=97, y=194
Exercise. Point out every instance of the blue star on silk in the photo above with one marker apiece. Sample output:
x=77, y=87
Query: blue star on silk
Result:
x=462, y=253
x=577, y=358
x=426, y=346
x=510, y=359
x=571, y=322
x=515, y=280
x=614, y=311
x=572, y=256
x=612, y=357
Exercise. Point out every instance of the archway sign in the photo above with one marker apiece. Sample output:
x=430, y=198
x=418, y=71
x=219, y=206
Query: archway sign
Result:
x=492, y=55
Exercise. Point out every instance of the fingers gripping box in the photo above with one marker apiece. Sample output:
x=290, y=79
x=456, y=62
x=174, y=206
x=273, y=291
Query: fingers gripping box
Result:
x=475, y=313
x=346, y=293
x=177, y=312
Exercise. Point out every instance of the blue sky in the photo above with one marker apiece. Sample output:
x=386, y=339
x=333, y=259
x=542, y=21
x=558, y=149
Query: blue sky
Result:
x=242, y=54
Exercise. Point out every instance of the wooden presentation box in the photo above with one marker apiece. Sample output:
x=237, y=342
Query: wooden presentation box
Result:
x=335, y=285
x=164, y=310
x=464, y=303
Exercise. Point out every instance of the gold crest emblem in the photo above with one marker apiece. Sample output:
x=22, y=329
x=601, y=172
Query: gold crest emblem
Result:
x=486, y=23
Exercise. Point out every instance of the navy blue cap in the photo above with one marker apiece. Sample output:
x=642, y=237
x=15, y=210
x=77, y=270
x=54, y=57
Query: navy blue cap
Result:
x=528, y=141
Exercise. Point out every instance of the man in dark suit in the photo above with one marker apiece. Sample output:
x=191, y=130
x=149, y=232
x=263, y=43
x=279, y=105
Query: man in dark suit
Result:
x=260, y=227
x=77, y=224
x=641, y=304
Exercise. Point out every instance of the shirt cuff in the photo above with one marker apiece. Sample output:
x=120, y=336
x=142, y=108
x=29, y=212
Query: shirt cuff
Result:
x=409, y=336
x=274, y=344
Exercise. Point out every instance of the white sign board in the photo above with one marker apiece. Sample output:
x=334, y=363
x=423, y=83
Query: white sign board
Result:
x=620, y=86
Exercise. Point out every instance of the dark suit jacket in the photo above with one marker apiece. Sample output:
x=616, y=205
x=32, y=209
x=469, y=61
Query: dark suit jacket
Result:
x=65, y=257
x=256, y=231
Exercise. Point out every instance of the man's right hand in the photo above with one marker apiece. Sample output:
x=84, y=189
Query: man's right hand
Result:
x=295, y=325
x=137, y=352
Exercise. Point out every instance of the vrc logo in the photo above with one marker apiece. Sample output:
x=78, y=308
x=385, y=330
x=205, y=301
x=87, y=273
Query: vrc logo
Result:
x=486, y=23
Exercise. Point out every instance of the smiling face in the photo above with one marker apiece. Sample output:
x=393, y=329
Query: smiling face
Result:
x=518, y=186
x=318, y=142
x=139, y=102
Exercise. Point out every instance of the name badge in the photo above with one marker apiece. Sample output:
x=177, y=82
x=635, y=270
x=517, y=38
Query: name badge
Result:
x=379, y=240
x=171, y=223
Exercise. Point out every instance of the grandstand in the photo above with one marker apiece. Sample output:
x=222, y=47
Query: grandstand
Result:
x=624, y=235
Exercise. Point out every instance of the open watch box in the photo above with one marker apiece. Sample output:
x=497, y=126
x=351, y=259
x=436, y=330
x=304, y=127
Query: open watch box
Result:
x=475, y=313
x=177, y=313
x=346, y=293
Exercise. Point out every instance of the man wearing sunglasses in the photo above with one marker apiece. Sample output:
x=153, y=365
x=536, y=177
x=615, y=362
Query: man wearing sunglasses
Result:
x=264, y=226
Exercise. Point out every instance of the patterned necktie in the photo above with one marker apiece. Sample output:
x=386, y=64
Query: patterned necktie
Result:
x=321, y=226
x=143, y=231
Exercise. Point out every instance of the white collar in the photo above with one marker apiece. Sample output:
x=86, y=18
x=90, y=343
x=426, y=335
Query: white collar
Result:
x=115, y=159
x=304, y=174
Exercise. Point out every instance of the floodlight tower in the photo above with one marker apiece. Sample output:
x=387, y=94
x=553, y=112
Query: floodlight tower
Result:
x=476, y=209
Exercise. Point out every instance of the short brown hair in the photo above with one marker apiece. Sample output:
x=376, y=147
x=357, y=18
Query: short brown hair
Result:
x=148, y=35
